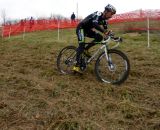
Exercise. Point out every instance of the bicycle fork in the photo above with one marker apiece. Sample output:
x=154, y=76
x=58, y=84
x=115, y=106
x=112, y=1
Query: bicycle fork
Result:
x=110, y=65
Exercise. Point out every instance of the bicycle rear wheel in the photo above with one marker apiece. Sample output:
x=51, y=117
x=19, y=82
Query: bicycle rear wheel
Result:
x=114, y=72
x=66, y=59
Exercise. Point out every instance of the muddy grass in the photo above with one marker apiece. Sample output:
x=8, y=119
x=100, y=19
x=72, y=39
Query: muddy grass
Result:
x=35, y=96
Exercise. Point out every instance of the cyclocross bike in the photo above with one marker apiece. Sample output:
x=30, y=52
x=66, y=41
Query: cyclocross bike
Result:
x=112, y=66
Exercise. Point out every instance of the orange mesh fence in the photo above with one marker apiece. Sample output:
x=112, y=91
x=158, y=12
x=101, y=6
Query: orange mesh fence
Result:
x=137, y=20
x=134, y=16
x=36, y=25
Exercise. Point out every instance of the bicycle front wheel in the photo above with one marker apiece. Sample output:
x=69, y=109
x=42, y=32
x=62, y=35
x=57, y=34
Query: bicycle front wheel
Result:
x=116, y=70
x=66, y=59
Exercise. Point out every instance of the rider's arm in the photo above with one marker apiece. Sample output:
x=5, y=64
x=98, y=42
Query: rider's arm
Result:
x=105, y=25
x=98, y=27
x=95, y=23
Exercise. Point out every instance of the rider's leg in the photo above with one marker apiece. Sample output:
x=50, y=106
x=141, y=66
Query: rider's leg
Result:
x=81, y=42
x=80, y=49
x=97, y=38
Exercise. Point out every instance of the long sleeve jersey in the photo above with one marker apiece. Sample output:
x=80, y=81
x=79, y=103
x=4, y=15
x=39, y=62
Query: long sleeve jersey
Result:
x=94, y=20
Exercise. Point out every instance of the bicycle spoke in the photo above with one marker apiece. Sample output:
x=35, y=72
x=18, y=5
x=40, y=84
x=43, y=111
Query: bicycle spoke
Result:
x=66, y=59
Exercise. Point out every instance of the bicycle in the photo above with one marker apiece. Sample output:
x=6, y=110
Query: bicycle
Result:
x=112, y=66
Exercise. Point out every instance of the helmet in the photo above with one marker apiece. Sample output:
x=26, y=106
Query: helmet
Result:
x=110, y=8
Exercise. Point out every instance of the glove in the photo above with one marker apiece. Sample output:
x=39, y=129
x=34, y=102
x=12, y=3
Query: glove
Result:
x=108, y=33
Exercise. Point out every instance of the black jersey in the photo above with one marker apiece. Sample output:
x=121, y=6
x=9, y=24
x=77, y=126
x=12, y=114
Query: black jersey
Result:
x=94, y=20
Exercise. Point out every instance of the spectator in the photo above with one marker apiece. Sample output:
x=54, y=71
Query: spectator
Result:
x=73, y=17
x=22, y=22
x=31, y=22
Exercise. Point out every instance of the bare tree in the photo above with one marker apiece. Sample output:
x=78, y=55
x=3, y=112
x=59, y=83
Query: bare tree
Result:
x=3, y=15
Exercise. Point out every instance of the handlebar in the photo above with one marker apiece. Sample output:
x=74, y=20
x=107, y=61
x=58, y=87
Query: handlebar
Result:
x=111, y=36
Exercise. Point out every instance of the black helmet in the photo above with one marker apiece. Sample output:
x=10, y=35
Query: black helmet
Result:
x=110, y=8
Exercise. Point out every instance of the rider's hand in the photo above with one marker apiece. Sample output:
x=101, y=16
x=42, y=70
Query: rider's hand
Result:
x=107, y=32
x=110, y=33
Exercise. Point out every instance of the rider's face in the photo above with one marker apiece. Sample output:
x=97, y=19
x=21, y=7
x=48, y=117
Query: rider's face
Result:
x=108, y=15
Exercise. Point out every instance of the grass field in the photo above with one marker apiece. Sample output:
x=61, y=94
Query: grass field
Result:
x=35, y=96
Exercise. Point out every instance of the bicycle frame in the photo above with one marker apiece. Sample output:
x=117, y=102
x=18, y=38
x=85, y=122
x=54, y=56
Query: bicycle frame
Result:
x=105, y=48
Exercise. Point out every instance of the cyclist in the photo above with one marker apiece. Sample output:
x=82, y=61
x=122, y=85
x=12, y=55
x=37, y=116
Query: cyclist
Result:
x=85, y=28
